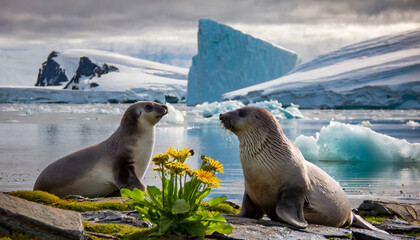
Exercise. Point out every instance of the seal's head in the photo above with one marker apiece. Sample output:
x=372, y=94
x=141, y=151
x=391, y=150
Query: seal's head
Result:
x=141, y=113
x=247, y=118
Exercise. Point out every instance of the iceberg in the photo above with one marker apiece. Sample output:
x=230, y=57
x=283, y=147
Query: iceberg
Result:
x=100, y=77
x=209, y=110
x=340, y=141
x=228, y=59
x=380, y=73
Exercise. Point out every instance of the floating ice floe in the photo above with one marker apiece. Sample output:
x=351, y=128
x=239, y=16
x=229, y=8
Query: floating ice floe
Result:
x=339, y=141
x=412, y=123
x=215, y=108
x=174, y=116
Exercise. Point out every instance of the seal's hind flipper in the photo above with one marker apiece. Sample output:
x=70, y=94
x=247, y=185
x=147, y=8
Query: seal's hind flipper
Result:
x=359, y=222
x=289, y=208
x=249, y=210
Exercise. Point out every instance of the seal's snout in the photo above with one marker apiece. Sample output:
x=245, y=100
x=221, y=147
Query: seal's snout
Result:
x=165, y=109
x=226, y=123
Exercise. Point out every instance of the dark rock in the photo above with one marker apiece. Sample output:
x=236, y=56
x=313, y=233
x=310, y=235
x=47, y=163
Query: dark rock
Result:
x=246, y=228
x=86, y=68
x=399, y=226
x=329, y=232
x=364, y=234
x=408, y=212
x=51, y=74
x=102, y=199
x=108, y=216
x=41, y=221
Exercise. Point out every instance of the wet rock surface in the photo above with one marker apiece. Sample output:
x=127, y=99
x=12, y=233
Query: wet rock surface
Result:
x=108, y=216
x=399, y=227
x=38, y=220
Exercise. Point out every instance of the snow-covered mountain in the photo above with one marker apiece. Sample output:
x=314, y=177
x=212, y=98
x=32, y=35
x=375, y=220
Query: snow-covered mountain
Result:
x=379, y=73
x=228, y=59
x=102, y=77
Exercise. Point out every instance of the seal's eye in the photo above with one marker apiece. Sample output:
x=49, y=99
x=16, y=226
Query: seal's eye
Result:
x=242, y=113
x=148, y=108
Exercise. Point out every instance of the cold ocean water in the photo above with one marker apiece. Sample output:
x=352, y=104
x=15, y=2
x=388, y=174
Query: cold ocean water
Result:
x=34, y=135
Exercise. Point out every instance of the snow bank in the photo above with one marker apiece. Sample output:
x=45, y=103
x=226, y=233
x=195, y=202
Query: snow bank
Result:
x=380, y=73
x=215, y=108
x=228, y=59
x=339, y=141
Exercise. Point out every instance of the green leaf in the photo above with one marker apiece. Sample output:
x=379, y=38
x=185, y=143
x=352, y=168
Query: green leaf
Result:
x=141, y=210
x=155, y=195
x=137, y=195
x=125, y=192
x=216, y=218
x=164, y=224
x=180, y=206
x=201, y=195
x=213, y=202
x=220, y=227
x=195, y=229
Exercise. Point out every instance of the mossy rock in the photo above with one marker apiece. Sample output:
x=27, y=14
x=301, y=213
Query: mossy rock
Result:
x=123, y=231
x=18, y=236
x=224, y=208
x=376, y=219
x=70, y=204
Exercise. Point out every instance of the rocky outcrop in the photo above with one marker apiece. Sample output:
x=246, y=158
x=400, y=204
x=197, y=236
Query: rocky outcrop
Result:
x=88, y=69
x=41, y=221
x=51, y=74
x=408, y=212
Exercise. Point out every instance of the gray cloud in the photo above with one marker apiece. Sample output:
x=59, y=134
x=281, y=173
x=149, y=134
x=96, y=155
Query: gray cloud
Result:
x=81, y=18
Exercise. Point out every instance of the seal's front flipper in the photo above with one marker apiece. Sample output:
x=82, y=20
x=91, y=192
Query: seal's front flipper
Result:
x=126, y=178
x=249, y=210
x=289, y=208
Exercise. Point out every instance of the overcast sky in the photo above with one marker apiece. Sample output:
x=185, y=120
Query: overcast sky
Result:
x=166, y=30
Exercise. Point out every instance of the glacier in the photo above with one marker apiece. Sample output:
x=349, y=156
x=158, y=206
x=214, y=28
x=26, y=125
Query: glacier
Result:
x=341, y=141
x=380, y=73
x=228, y=59
x=135, y=80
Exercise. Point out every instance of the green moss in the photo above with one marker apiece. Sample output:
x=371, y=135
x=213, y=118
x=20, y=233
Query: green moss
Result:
x=375, y=219
x=70, y=204
x=124, y=231
x=412, y=234
x=223, y=208
x=16, y=235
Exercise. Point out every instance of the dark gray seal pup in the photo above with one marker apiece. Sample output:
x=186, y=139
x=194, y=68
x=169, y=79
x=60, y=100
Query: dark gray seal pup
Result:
x=279, y=182
x=118, y=162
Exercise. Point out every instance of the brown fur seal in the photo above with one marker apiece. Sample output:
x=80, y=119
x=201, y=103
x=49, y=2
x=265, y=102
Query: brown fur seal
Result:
x=104, y=168
x=279, y=182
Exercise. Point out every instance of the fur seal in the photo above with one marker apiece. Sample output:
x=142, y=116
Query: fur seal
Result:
x=279, y=182
x=118, y=162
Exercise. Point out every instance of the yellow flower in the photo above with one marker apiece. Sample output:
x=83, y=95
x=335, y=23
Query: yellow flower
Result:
x=211, y=164
x=216, y=166
x=207, y=177
x=160, y=158
x=178, y=168
x=180, y=154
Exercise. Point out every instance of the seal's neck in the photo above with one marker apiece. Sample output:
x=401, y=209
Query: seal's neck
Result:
x=264, y=149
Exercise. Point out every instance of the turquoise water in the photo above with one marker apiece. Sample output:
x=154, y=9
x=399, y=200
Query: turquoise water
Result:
x=33, y=136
